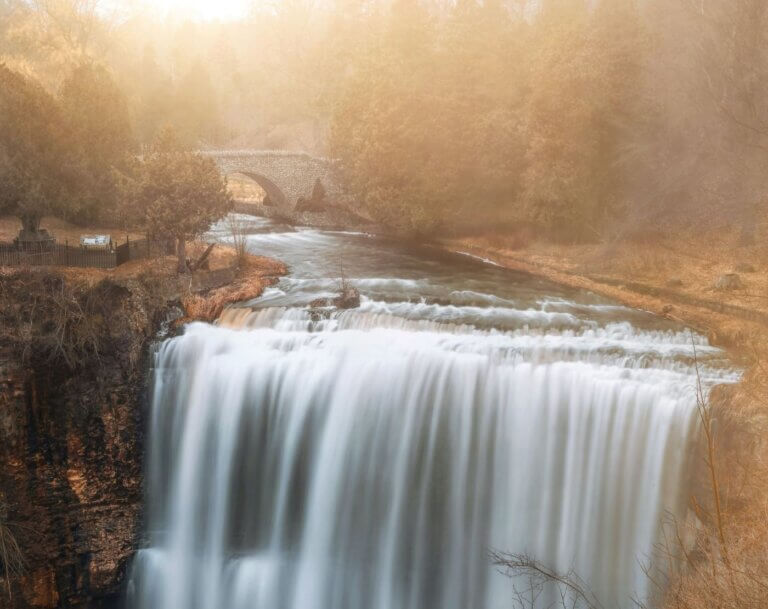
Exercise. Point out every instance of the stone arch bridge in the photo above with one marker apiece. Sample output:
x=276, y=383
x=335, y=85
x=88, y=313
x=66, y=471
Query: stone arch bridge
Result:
x=284, y=176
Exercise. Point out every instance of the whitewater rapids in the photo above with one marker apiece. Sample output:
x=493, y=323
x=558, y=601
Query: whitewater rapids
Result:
x=372, y=459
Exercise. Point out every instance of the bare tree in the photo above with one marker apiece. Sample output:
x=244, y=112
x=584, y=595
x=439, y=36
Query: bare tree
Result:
x=732, y=47
x=237, y=229
x=571, y=589
x=11, y=557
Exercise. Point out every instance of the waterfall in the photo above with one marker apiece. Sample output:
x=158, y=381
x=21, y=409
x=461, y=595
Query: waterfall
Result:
x=373, y=459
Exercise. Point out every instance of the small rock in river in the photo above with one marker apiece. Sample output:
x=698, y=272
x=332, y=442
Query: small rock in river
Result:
x=348, y=299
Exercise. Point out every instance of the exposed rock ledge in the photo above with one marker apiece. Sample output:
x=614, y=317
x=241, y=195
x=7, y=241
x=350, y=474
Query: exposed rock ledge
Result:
x=72, y=420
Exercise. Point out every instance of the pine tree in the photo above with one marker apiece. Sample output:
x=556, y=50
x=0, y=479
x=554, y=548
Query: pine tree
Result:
x=37, y=161
x=179, y=193
x=96, y=111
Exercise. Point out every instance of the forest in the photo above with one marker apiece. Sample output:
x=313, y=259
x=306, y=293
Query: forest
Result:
x=532, y=347
x=589, y=121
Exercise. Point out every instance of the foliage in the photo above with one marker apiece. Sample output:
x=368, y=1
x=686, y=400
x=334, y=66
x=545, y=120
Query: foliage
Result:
x=589, y=118
x=195, y=107
x=37, y=173
x=584, y=102
x=179, y=193
x=441, y=127
x=48, y=321
x=95, y=110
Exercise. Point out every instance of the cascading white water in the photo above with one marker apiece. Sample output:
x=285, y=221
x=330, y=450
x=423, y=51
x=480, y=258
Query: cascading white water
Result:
x=371, y=459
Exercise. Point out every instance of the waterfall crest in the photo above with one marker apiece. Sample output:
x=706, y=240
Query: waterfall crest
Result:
x=372, y=459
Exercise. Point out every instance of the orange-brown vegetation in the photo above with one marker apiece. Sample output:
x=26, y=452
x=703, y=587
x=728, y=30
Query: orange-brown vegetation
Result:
x=256, y=273
x=65, y=231
x=720, y=560
x=250, y=274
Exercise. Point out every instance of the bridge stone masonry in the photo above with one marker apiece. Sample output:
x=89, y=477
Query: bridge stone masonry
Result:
x=284, y=176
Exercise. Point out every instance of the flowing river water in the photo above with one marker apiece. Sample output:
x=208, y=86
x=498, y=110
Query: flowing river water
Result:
x=373, y=458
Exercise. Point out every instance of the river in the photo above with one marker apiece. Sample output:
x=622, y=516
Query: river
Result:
x=374, y=458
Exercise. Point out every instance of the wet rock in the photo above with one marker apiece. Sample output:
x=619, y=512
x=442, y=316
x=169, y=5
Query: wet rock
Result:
x=310, y=205
x=729, y=281
x=744, y=267
x=320, y=303
x=348, y=299
x=675, y=283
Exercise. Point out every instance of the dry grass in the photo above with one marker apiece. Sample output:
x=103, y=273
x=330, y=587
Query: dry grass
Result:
x=63, y=230
x=695, y=261
x=255, y=274
x=11, y=557
x=724, y=562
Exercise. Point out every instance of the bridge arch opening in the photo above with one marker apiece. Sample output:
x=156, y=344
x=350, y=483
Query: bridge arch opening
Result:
x=243, y=189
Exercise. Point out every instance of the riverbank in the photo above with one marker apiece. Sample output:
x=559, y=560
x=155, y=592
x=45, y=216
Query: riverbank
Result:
x=74, y=362
x=676, y=284
x=727, y=564
x=331, y=217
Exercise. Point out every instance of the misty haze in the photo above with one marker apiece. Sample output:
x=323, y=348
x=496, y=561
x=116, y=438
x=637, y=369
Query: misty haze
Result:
x=383, y=304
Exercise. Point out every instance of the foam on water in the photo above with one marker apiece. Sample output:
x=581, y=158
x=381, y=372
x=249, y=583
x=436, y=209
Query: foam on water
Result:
x=306, y=458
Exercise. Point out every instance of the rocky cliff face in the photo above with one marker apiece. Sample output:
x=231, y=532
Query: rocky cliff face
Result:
x=71, y=434
x=74, y=365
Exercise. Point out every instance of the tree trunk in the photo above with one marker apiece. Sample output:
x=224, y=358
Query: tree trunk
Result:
x=181, y=252
x=30, y=222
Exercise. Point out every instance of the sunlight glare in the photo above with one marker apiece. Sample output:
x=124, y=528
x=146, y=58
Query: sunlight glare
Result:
x=204, y=10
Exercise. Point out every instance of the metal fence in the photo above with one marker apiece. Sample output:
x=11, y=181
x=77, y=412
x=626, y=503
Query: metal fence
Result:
x=63, y=254
x=149, y=248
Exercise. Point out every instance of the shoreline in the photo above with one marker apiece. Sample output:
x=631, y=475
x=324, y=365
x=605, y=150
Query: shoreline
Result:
x=737, y=329
x=726, y=328
x=726, y=325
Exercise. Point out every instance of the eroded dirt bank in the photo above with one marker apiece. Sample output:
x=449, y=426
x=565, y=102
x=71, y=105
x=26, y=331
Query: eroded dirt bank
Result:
x=74, y=351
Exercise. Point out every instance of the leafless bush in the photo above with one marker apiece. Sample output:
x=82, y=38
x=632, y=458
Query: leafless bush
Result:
x=717, y=560
x=571, y=589
x=720, y=558
x=238, y=230
x=11, y=557
x=49, y=320
x=344, y=285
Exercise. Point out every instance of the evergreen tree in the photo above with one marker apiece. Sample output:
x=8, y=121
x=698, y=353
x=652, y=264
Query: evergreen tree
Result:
x=179, y=193
x=196, y=108
x=37, y=161
x=96, y=111
x=582, y=109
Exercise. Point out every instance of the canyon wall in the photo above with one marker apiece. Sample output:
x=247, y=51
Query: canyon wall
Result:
x=72, y=437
